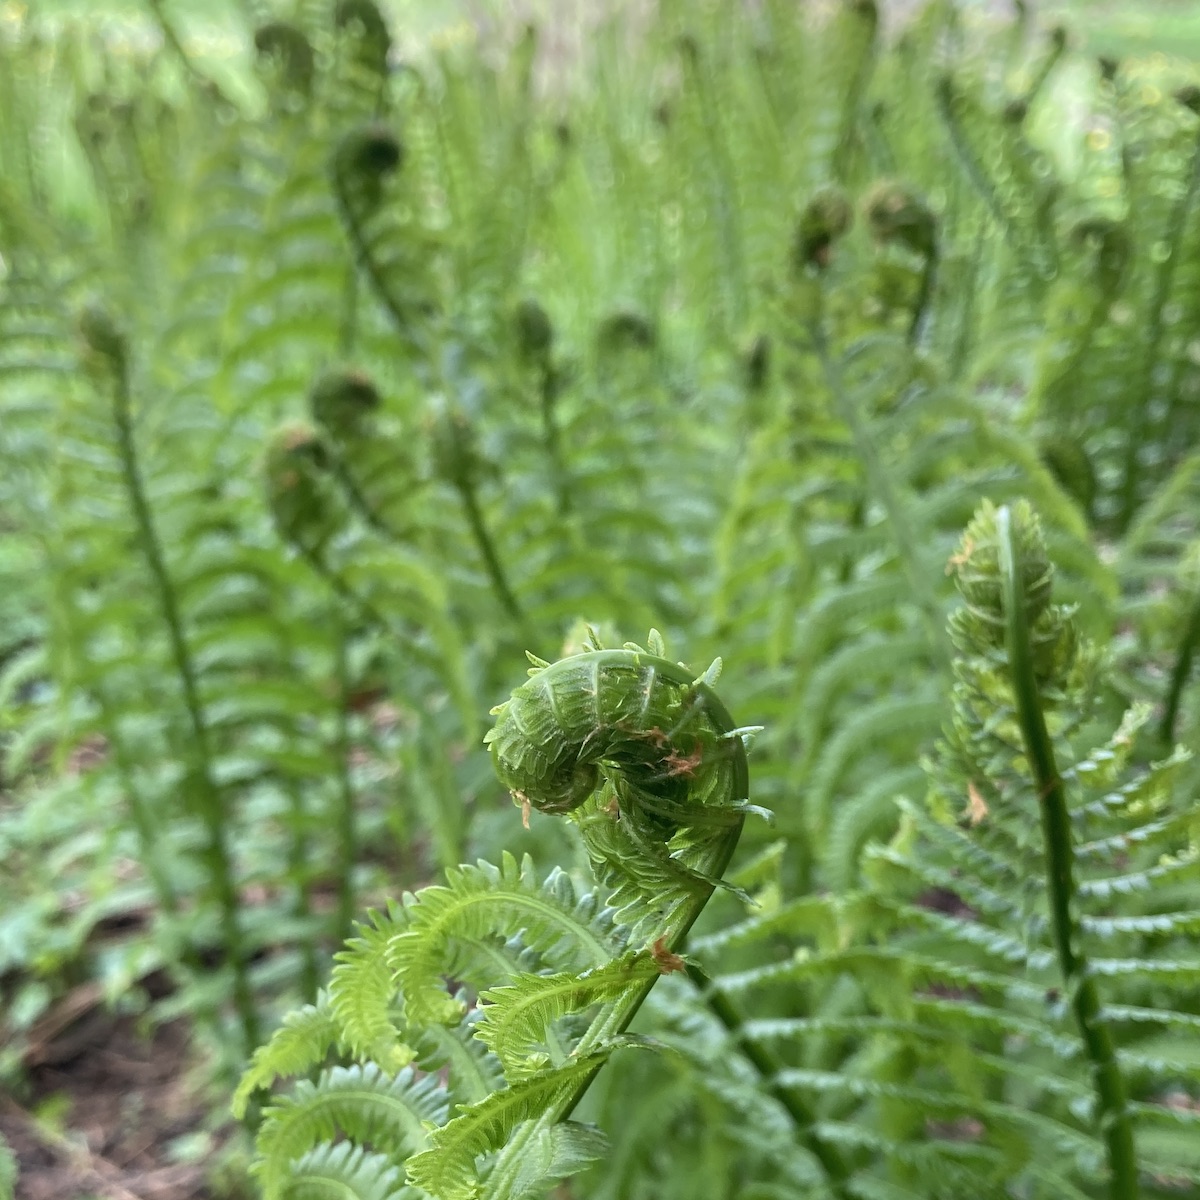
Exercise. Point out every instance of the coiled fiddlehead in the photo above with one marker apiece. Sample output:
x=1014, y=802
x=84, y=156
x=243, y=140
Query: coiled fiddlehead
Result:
x=648, y=761
x=645, y=757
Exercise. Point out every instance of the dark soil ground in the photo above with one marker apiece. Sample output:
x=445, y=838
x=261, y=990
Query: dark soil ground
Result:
x=114, y=1110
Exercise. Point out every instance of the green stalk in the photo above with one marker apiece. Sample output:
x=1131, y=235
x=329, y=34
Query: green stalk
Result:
x=924, y=295
x=346, y=825
x=487, y=551
x=1113, y=1115
x=615, y=1019
x=209, y=801
x=980, y=180
x=297, y=859
x=406, y=330
x=719, y=179
x=548, y=394
x=866, y=11
x=1180, y=673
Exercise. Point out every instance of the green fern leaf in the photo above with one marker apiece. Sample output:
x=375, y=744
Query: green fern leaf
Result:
x=447, y=1168
x=475, y=902
x=392, y=1113
x=347, y=1172
x=301, y=1042
x=518, y=1017
x=361, y=992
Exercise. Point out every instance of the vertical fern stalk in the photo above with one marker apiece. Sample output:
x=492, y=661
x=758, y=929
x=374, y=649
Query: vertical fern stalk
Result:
x=1180, y=673
x=1113, y=1115
x=346, y=823
x=103, y=338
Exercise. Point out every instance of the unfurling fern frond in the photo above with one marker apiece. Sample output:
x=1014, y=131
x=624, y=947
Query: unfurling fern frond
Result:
x=523, y=989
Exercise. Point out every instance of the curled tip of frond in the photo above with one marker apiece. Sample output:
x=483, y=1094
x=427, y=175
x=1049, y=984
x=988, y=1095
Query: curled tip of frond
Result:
x=896, y=212
x=825, y=217
x=372, y=151
x=294, y=441
x=294, y=451
x=99, y=330
x=626, y=329
x=295, y=461
x=1189, y=97
x=291, y=49
x=535, y=333
x=342, y=401
x=979, y=573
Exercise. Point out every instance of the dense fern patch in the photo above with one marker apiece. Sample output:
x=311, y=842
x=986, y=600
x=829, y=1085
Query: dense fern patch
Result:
x=330, y=388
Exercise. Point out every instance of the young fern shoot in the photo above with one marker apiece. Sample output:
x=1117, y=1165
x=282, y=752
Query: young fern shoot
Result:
x=647, y=761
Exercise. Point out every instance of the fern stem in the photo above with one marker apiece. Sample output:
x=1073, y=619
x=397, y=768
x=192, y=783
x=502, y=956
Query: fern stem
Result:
x=884, y=487
x=1180, y=673
x=487, y=551
x=551, y=438
x=1151, y=341
x=960, y=351
x=210, y=805
x=405, y=329
x=720, y=180
x=346, y=825
x=1113, y=1116
x=768, y=1068
x=924, y=295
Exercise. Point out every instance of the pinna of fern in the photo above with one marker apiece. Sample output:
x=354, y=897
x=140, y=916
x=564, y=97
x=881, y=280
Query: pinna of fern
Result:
x=645, y=758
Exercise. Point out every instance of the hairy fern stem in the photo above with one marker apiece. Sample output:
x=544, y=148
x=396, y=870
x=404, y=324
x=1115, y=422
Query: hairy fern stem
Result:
x=1113, y=1117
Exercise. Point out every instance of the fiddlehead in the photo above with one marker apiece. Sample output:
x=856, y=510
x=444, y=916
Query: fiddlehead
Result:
x=647, y=760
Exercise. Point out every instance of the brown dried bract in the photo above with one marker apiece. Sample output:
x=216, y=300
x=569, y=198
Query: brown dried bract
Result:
x=667, y=960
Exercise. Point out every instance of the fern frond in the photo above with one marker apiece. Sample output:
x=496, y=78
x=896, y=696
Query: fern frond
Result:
x=517, y=1017
x=346, y=1170
x=447, y=1168
x=476, y=902
x=362, y=989
x=300, y=1043
x=363, y=1103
